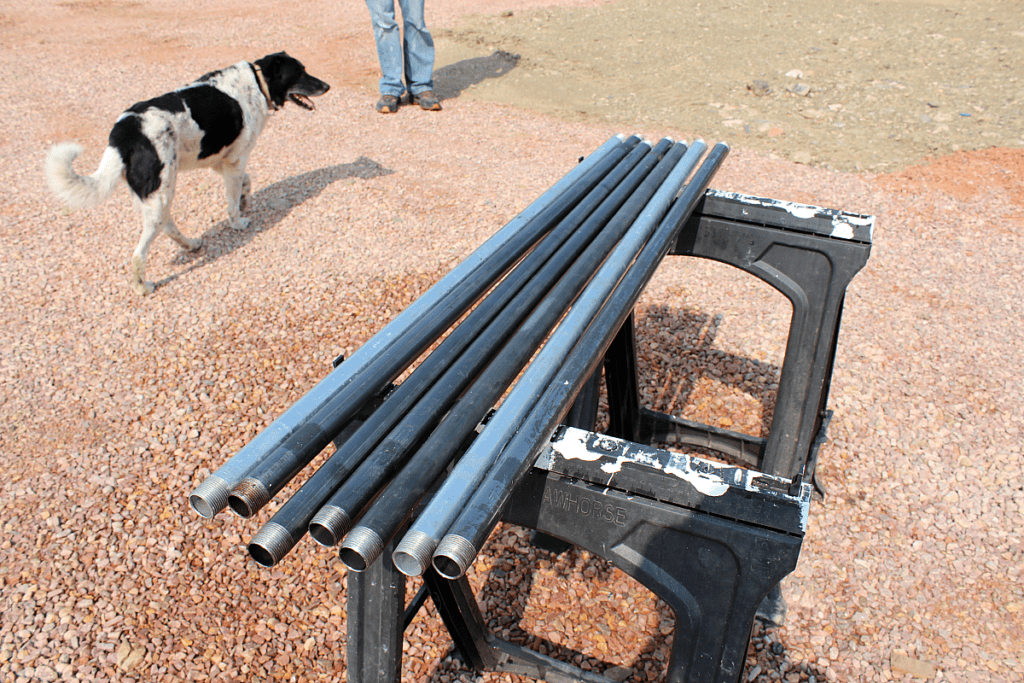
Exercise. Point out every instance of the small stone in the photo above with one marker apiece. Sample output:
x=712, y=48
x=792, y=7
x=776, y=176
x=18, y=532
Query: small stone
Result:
x=759, y=88
x=917, y=668
x=799, y=89
x=128, y=657
x=45, y=673
x=618, y=673
x=795, y=73
x=802, y=157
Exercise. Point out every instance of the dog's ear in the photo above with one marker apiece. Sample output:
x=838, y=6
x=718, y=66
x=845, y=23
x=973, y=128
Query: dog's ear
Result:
x=281, y=72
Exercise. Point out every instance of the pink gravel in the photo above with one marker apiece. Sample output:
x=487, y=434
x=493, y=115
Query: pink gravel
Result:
x=114, y=407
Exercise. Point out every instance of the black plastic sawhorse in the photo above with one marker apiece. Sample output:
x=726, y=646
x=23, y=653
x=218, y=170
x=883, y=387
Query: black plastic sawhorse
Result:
x=710, y=540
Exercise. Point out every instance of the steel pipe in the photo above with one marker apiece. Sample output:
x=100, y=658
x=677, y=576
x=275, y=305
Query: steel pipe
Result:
x=334, y=520
x=413, y=554
x=497, y=253
x=290, y=523
x=280, y=465
x=477, y=519
x=396, y=502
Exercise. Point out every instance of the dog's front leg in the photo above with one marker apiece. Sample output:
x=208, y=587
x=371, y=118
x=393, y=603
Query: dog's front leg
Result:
x=243, y=200
x=236, y=183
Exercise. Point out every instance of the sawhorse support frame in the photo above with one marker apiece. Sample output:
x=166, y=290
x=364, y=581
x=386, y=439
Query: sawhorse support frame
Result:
x=710, y=540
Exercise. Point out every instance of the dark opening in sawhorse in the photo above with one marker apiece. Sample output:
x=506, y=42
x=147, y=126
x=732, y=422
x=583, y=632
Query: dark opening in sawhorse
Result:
x=710, y=540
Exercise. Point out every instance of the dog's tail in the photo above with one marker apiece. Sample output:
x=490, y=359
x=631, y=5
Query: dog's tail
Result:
x=77, y=191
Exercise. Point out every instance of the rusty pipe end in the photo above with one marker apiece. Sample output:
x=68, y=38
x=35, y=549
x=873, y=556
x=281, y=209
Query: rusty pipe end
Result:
x=248, y=496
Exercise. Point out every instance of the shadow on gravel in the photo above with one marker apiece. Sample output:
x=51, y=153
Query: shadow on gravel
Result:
x=451, y=80
x=680, y=365
x=268, y=207
x=504, y=622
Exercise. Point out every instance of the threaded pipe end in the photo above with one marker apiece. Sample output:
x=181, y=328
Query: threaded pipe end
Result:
x=210, y=497
x=361, y=548
x=248, y=496
x=453, y=556
x=329, y=525
x=270, y=544
x=412, y=556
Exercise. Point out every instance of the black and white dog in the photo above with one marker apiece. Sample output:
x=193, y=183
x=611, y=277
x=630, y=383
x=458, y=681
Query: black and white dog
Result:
x=211, y=123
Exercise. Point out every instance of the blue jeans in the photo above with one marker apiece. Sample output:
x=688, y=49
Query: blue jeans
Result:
x=414, y=49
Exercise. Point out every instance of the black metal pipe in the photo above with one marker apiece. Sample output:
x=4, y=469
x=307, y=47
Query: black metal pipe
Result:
x=476, y=521
x=413, y=555
x=335, y=518
x=211, y=496
x=290, y=523
x=395, y=503
x=267, y=477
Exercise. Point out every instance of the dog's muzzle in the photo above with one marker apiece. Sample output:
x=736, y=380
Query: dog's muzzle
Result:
x=306, y=88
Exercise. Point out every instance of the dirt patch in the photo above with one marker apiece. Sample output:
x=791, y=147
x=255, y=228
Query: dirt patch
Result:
x=964, y=175
x=847, y=86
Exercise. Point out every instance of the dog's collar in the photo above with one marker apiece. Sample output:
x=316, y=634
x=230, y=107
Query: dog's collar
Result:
x=263, y=88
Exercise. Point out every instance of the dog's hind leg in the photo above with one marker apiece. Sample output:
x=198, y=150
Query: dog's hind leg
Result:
x=171, y=230
x=155, y=216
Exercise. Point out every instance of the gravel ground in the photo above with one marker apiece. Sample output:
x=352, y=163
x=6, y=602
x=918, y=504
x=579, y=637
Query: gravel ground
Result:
x=113, y=407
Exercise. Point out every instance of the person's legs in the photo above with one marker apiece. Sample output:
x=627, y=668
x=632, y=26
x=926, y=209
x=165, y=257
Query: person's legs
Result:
x=389, y=46
x=419, y=47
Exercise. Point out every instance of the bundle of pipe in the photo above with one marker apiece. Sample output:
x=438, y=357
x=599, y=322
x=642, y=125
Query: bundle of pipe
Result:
x=267, y=478
x=295, y=437
x=398, y=495
x=326, y=503
x=488, y=350
x=469, y=505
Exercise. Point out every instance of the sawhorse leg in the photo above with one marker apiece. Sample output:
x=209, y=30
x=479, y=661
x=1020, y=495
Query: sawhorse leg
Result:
x=377, y=617
x=376, y=603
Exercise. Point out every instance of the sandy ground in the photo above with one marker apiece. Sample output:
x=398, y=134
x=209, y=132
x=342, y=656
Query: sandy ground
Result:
x=113, y=407
x=848, y=86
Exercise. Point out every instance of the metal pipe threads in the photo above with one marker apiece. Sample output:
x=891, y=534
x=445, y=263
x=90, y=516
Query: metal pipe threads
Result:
x=412, y=556
x=361, y=547
x=248, y=497
x=453, y=556
x=270, y=544
x=329, y=525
